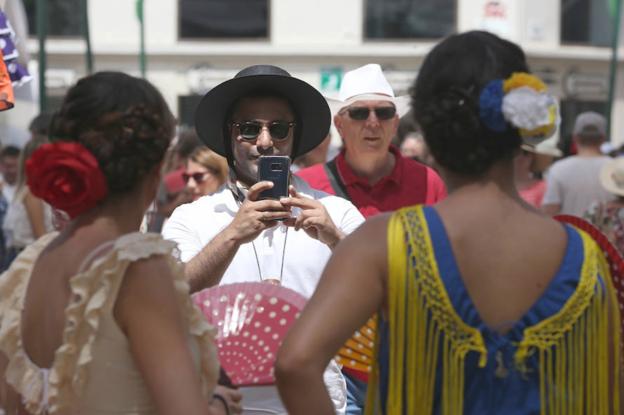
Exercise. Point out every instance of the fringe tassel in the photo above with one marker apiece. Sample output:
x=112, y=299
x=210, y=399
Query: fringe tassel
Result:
x=579, y=346
x=422, y=322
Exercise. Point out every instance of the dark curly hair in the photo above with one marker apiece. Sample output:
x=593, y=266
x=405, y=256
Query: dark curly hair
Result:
x=445, y=100
x=124, y=121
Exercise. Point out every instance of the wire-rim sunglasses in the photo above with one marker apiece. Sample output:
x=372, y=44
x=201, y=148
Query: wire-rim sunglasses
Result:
x=250, y=130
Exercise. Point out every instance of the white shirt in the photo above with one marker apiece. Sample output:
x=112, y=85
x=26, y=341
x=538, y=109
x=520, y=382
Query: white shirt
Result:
x=17, y=228
x=192, y=226
x=8, y=191
x=574, y=183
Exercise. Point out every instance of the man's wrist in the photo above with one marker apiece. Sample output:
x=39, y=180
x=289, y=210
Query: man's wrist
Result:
x=338, y=237
x=231, y=237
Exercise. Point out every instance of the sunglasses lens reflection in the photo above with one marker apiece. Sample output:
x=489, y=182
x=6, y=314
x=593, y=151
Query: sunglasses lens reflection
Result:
x=251, y=130
x=358, y=113
x=279, y=130
x=197, y=177
x=362, y=113
x=385, y=113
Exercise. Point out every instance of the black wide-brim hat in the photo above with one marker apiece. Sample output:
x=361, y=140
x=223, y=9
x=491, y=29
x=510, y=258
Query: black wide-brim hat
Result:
x=310, y=107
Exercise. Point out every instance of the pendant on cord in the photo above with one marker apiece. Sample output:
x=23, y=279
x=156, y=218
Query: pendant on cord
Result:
x=273, y=281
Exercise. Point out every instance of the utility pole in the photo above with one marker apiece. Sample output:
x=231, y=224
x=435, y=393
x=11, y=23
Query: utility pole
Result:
x=614, y=63
x=42, y=31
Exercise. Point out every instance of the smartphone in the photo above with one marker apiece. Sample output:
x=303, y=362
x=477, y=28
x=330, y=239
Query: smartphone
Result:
x=274, y=169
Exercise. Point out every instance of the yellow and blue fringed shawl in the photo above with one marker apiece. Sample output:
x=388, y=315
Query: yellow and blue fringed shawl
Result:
x=426, y=335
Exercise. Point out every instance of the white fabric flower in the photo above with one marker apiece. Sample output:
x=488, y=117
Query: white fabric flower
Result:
x=528, y=109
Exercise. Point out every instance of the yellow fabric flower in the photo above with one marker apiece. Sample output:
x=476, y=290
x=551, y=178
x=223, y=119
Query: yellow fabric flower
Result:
x=544, y=131
x=518, y=79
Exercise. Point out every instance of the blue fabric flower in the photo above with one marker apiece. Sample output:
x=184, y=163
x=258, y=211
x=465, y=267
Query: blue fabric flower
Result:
x=491, y=106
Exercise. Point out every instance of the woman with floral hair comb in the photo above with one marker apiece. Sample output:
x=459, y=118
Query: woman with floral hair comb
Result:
x=485, y=305
x=97, y=319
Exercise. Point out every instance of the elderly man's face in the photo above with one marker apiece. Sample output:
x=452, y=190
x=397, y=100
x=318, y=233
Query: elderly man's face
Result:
x=370, y=135
x=270, y=114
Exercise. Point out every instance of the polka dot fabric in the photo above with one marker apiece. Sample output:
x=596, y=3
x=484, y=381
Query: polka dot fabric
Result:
x=357, y=353
x=614, y=257
x=252, y=320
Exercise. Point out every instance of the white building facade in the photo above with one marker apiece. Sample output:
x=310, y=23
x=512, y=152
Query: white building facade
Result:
x=193, y=45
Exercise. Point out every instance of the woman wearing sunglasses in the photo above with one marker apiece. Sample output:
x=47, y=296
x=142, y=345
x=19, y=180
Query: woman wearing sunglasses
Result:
x=485, y=305
x=205, y=172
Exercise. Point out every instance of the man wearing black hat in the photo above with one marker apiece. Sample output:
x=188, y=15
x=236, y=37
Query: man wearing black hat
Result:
x=231, y=236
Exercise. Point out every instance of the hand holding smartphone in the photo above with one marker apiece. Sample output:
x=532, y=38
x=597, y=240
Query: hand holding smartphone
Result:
x=275, y=169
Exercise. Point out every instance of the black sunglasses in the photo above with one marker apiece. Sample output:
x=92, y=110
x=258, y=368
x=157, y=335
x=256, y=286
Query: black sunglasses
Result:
x=250, y=130
x=362, y=113
x=198, y=177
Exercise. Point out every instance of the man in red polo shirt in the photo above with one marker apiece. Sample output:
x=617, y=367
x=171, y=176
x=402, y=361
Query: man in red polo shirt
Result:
x=369, y=171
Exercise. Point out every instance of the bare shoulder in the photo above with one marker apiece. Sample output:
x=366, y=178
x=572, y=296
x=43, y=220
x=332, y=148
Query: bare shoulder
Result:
x=370, y=236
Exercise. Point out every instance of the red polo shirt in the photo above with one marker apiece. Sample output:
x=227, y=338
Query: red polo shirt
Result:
x=409, y=183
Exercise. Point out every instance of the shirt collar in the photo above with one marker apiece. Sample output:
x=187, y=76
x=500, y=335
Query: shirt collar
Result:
x=348, y=176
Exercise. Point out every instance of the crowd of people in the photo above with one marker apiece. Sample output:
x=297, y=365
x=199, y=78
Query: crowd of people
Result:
x=434, y=219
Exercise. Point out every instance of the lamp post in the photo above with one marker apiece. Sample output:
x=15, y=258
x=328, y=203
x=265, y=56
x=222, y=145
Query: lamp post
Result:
x=140, y=16
x=87, y=36
x=42, y=31
x=614, y=62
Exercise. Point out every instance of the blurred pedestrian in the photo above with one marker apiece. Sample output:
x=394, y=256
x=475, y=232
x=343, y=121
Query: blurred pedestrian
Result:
x=172, y=191
x=28, y=217
x=9, y=168
x=609, y=216
x=413, y=146
x=530, y=166
x=206, y=172
x=573, y=183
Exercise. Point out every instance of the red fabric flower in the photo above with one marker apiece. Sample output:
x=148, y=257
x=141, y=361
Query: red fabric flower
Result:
x=67, y=176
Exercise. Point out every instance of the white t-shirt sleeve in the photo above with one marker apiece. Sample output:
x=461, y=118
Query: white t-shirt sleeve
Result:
x=179, y=229
x=554, y=193
x=344, y=214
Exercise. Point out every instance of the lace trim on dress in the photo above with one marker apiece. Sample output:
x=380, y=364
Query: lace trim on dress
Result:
x=91, y=290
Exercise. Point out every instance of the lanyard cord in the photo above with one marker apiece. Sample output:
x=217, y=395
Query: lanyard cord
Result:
x=239, y=196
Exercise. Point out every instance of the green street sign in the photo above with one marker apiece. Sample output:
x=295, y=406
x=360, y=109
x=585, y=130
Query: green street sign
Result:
x=331, y=78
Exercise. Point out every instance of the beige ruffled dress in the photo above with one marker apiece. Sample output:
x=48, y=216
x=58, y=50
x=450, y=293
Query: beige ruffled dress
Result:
x=93, y=370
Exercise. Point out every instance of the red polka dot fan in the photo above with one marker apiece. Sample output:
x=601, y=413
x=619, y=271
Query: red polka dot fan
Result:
x=613, y=256
x=252, y=319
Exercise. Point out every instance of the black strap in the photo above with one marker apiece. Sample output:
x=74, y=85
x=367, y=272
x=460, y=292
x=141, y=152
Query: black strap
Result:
x=223, y=401
x=334, y=179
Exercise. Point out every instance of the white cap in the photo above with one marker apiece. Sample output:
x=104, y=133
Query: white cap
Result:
x=367, y=83
x=547, y=147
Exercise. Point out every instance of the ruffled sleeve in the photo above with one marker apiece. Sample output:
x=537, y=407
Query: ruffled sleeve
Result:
x=93, y=292
x=20, y=372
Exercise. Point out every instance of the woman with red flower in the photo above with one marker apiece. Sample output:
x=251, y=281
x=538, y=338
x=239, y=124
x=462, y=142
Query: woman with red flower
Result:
x=96, y=318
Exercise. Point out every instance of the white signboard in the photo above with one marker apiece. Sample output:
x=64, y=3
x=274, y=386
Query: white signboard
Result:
x=495, y=18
